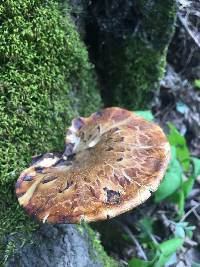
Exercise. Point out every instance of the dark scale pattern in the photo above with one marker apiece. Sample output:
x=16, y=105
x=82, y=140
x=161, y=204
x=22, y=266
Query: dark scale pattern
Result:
x=112, y=162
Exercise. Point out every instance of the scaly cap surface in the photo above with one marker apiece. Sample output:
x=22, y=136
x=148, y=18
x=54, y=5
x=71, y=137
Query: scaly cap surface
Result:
x=112, y=162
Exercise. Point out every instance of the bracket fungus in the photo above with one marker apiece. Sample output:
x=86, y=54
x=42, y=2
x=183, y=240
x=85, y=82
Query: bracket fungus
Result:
x=112, y=162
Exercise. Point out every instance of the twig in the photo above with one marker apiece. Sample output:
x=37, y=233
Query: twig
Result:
x=165, y=220
x=153, y=239
x=189, y=212
x=190, y=242
x=134, y=239
x=196, y=215
x=184, y=23
x=125, y=263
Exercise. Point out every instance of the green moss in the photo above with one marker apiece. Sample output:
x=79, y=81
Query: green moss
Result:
x=158, y=21
x=139, y=69
x=97, y=247
x=133, y=64
x=45, y=80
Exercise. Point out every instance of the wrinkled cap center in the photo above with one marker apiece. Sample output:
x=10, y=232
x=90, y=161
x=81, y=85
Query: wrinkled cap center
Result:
x=89, y=147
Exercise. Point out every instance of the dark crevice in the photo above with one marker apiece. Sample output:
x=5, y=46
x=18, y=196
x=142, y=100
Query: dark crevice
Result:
x=107, y=25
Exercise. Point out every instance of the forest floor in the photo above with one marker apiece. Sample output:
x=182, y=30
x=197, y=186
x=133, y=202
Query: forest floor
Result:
x=139, y=231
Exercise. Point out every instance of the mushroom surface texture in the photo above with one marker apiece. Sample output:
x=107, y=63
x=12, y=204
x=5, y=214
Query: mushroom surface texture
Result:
x=112, y=162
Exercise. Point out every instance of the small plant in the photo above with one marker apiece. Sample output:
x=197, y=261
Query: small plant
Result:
x=197, y=83
x=174, y=190
x=183, y=170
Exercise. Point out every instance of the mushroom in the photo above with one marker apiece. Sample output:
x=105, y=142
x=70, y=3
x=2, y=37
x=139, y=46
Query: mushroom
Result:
x=112, y=162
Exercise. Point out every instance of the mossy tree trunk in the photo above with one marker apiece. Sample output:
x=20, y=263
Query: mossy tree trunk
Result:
x=128, y=42
x=45, y=81
x=61, y=246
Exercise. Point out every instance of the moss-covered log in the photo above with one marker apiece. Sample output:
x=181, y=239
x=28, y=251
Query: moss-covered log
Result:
x=128, y=42
x=45, y=80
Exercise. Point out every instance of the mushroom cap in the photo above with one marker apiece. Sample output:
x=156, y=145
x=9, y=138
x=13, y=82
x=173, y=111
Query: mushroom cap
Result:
x=112, y=162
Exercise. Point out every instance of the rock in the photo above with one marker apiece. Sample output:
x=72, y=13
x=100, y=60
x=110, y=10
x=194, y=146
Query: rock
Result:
x=57, y=246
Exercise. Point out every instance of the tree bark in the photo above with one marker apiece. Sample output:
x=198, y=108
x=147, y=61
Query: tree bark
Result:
x=57, y=246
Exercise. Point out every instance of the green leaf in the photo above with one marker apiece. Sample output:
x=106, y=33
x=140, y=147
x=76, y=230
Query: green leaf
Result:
x=172, y=180
x=197, y=83
x=162, y=260
x=177, y=140
x=179, y=199
x=187, y=186
x=189, y=233
x=170, y=246
x=139, y=263
x=146, y=114
x=145, y=225
x=189, y=183
x=181, y=107
x=179, y=231
x=189, y=230
x=166, y=251
x=196, y=164
x=181, y=203
x=172, y=260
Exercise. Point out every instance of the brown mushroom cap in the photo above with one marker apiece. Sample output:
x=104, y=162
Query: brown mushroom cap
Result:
x=113, y=160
